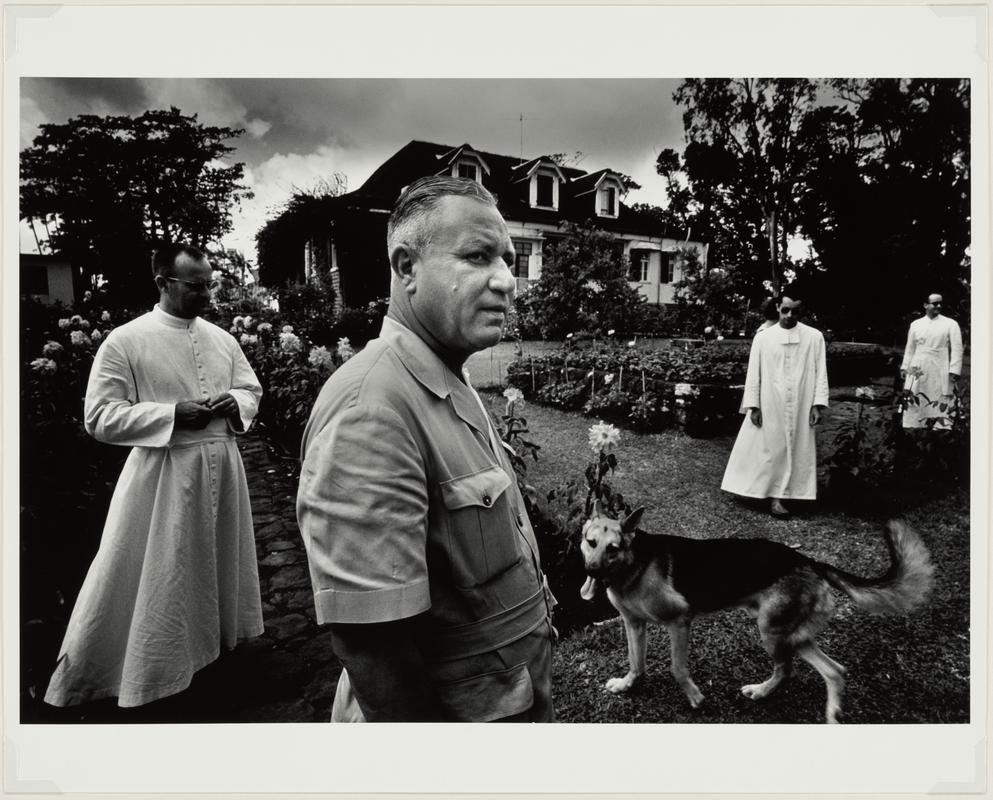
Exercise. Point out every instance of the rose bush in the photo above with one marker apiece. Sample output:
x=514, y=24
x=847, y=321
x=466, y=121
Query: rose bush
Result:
x=648, y=388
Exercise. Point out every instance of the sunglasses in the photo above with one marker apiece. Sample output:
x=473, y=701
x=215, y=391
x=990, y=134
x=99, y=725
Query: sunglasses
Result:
x=197, y=286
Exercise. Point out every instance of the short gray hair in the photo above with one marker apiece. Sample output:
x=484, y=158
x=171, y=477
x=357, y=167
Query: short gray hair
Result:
x=419, y=199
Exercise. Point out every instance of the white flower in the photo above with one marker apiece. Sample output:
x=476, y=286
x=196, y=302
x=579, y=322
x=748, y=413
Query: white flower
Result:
x=64, y=323
x=631, y=343
x=45, y=366
x=609, y=378
x=248, y=322
x=345, y=350
x=249, y=338
x=720, y=338
x=96, y=335
x=319, y=356
x=568, y=336
x=513, y=394
x=866, y=392
x=105, y=316
x=264, y=328
x=610, y=332
x=78, y=338
x=290, y=342
x=51, y=349
x=75, y=319
x=603, y=437
x=84, y=324
x=664, y=408
x=287, y=329
x=685, y=390
x=87, y=296
x=237, y=323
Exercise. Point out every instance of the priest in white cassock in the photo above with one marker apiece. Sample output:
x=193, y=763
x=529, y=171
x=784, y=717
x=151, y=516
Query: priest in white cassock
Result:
x=786, y=392
x=932, y=363
x=175, y=578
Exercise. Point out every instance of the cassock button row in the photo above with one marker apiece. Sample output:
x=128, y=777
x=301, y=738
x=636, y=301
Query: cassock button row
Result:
x=487, y=500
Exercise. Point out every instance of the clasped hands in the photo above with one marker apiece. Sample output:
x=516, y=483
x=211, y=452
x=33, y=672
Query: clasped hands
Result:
x=196, y=414
x=814, y=416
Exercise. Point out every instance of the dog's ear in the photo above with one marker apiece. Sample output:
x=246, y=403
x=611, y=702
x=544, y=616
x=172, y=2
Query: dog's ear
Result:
x=631, y=521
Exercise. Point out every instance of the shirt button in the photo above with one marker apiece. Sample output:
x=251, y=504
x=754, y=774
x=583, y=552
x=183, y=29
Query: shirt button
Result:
x=487, y=501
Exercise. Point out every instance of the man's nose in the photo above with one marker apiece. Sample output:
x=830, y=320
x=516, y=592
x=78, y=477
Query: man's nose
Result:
x=503, y=280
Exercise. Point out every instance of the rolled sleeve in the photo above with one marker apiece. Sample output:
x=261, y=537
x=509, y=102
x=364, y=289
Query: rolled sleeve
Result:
x=362, y=508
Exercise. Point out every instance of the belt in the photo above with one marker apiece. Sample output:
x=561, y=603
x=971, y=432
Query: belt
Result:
x=473, y=638
x=203, y=440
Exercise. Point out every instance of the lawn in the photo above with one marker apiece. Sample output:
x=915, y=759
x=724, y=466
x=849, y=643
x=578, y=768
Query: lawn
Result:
x=900, y=669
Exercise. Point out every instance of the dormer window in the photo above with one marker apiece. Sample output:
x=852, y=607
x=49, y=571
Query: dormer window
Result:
x=463, y=162
x=468, y=169
x=546, y=180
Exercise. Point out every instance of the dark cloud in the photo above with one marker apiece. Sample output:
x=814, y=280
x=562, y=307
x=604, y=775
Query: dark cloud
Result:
x=61, y=98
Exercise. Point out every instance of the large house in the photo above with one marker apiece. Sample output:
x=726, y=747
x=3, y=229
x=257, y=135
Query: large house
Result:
x=536, y=197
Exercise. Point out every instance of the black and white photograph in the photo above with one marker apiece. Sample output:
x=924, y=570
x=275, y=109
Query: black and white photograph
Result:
x=635, y=398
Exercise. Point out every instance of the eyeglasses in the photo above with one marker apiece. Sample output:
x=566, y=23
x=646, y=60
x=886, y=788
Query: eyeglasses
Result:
x=197, y=286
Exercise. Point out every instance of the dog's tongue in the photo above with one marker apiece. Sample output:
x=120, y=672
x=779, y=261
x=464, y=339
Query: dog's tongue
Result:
x=588, y=588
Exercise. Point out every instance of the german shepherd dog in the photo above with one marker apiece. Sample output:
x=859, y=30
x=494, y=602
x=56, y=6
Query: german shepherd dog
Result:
x=671, y=579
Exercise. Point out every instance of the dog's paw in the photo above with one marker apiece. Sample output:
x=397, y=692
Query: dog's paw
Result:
x=619, y=685
x=754, y=691
x=695, y=697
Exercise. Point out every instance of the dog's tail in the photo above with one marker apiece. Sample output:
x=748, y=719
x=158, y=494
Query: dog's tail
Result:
x=902, y=588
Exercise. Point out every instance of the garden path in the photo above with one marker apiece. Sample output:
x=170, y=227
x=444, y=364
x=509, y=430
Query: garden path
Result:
x=289, y=673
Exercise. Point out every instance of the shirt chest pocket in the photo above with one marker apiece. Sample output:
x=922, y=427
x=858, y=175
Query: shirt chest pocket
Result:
x=482, y=536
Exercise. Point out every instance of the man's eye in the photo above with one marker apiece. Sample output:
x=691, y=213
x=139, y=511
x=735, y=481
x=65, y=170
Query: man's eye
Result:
x=478, y=258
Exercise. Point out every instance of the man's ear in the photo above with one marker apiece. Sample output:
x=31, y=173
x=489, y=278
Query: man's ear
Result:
x=402, y=263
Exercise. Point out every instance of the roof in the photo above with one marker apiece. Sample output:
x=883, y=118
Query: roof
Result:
x=505, y=177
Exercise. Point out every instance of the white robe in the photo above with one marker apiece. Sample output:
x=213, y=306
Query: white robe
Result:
x=935, y=347
x=175, y=576
x=787, y=376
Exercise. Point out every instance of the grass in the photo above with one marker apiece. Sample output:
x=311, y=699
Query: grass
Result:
x=911, y=669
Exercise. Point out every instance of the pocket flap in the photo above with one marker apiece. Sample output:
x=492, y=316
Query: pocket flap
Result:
x=487, y=697
x=479, y=489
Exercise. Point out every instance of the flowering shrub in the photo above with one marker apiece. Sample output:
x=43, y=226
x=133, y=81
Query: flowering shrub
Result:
x=695, y=388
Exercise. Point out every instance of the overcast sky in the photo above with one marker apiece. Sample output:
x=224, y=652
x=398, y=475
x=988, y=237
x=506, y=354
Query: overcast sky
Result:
x=299, y=130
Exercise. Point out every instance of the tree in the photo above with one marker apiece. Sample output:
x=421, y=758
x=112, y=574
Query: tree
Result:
x=280, y=242
x=744, y=152
x=887, y=206
x=109, y=188
x=583, y=287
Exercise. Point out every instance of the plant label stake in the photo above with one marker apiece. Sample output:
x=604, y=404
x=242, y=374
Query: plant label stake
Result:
x=532, y=375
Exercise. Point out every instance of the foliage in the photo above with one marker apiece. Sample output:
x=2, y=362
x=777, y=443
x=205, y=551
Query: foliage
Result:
x=107, y=189
x=872, y=174
x=888, y=203
x=942, y=446
x=281, y=241
x=697, y=389
x=744, y=155
x=583, y=287
x=858, y=458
